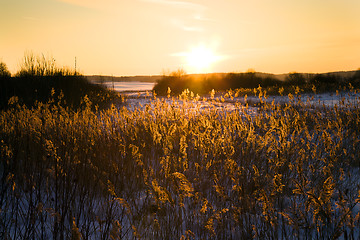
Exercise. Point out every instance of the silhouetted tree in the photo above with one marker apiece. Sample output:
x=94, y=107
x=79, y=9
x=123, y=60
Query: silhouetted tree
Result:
x=355, y=80
x=295, y=78
x=4, y=72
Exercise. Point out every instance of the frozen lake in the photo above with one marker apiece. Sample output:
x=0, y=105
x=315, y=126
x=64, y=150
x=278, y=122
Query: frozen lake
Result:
x=343, y=99
x=140, y=94
x=130, y=86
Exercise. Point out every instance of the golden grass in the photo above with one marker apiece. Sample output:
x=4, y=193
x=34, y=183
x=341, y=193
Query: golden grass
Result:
x=165, y=172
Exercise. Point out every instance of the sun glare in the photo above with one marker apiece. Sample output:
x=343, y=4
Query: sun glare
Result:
x=200, y=59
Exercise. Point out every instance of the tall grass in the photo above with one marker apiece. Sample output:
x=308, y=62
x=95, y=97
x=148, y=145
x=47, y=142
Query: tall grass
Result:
x=40, y=79
x=41, y=65
x=175, y=172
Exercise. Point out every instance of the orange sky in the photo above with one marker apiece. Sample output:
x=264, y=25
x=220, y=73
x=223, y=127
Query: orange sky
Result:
x=136, y=37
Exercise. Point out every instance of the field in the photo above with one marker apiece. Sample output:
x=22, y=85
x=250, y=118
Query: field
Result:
x=170, y=168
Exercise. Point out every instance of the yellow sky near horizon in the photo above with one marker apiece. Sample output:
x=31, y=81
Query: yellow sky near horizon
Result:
x=147, y=37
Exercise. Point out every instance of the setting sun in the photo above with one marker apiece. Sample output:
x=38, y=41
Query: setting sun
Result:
x=142, y=37
x=200, y=59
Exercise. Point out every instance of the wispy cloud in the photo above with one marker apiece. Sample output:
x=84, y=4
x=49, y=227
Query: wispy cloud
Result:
x=200, y=17
x=186, y=27
x=95, y=4
x=176, y=3
x=110, y=4
x=190, y=21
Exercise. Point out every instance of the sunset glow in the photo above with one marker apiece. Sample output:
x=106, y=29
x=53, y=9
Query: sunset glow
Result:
x=144, y=37
x=200, y=59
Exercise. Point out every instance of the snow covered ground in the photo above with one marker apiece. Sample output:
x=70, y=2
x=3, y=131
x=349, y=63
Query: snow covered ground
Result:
x=139, y=94
x=221, y=101
x=130, y=86
x=145, y=99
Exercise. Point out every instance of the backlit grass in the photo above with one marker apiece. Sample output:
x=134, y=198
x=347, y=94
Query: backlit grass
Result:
x=167, y=172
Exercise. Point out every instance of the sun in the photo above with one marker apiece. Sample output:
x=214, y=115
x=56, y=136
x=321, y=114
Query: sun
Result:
x=200, y=59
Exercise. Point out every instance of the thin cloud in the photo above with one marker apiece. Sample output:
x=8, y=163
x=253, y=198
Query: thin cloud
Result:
x=181, y=4
x=203, y=19
x=186, y=27
x=184, y=22
x=95, y=4
x=109, y=4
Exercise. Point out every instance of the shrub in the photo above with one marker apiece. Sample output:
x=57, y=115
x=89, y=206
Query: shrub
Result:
x=40, y=80
x=4, y=72
x=296, y=79
x=32, y=89
x=204, y=83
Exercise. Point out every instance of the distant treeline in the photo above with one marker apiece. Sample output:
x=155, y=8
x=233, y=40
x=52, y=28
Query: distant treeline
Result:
x=178, y=81
x=40, y=80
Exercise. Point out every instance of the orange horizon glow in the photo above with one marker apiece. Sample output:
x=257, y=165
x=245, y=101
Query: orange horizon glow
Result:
x=144, y=37
x=199, y=59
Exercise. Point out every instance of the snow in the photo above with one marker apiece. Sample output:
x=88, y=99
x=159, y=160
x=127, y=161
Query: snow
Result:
x=129, y=86
x=144, y=98
x=141, y=99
